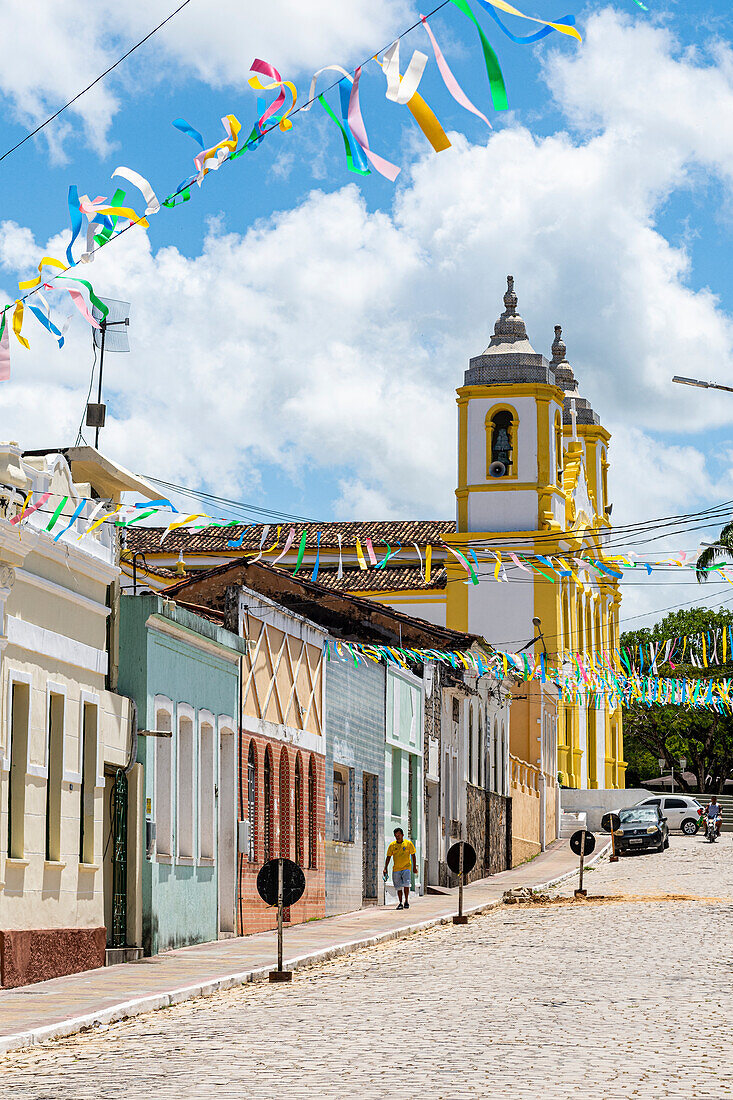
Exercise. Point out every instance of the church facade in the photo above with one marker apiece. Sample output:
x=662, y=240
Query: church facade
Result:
x=533, y=460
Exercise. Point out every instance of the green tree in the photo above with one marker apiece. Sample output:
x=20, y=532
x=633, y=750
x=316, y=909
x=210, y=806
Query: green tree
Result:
x=703, y=737
x=721, y=551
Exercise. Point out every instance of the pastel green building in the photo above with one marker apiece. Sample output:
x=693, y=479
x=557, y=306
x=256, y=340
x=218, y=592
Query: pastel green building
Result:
x=182, y=671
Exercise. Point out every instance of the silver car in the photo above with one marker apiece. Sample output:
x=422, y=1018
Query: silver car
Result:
x=682, y=811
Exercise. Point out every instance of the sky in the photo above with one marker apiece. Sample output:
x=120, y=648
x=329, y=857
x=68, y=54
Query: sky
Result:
x=297, y=331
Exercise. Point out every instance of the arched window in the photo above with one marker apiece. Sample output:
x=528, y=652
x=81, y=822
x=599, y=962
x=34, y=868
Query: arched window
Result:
x=252, y=801
x=558, y=449
x=284, y=805
x=470, y=744
x=312, y=815
x=497, y=758
x=501, y=449
x=480, y=751
x=268, y=822
x=298, y=790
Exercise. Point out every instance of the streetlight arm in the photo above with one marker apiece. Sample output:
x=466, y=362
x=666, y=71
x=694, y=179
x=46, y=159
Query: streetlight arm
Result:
x=701, y=385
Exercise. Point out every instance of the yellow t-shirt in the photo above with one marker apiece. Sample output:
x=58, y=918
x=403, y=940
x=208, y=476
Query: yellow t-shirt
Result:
x=401, y=854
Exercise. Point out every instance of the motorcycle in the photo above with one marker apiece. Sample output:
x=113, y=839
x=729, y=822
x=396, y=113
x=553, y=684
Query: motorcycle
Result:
x=711, y=830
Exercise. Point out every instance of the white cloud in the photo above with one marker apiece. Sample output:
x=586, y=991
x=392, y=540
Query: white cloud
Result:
x=53, y=50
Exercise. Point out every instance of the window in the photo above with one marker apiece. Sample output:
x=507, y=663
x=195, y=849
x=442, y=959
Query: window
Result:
x=558, y=449
x=284, y=804
x=163, y=785
x=470, y=744
x=396, y=782
x=652, y=802
x=675, y=804
x=55, y=756
x=19, y=719
x=456, y=709
x=298, y=791
x=268, y=838
x=411, y=790
x=252, y=801
x=88, y=782
x=184, y=830
x=343, y=783
x=497, y=758
x=480, y=752
x=206, y=791
x=312, y=817
x=502, y=425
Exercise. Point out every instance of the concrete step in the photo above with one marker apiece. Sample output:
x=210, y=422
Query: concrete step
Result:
x=570, y=822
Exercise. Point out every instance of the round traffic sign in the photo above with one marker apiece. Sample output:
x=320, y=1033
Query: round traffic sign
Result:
x=293, y=882
x=577, y=839
x=610, y=823
x=453, y=859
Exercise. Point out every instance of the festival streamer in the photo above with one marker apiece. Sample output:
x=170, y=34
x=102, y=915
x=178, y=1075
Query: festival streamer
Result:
x=493, y=69
x=403, y=90
x=448, y=78
x=356, y=122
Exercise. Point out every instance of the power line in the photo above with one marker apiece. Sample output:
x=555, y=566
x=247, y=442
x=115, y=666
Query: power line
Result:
x=95, y=81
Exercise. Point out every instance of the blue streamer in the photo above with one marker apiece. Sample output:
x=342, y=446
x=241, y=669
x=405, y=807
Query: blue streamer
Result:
x=356, y=150
x=75, y=218
x=47, y=324
x=314, y=574
x=187, y=128
x=72, y=521
x=568, y=20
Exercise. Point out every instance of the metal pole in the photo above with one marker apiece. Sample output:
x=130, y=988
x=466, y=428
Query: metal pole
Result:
x=460, y=919
x=280, y=915
x=580, y=892
x=103, y=327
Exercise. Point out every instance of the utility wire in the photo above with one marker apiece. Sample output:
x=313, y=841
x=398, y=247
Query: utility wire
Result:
x=95, y=81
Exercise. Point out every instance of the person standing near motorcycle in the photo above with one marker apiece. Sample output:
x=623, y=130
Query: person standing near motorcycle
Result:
x=714, y=813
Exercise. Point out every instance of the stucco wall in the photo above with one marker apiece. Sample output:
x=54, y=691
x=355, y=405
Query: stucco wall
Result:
x=404, y=748
x=355, y=729
x=525, y=824
x=179, y=893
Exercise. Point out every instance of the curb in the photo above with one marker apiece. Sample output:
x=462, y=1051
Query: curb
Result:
x=125, y=1010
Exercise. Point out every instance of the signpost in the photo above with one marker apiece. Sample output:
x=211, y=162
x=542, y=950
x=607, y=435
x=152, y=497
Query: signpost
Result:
x=610, y=823
x=280, y=882
x=582, y=844
x=461, y=859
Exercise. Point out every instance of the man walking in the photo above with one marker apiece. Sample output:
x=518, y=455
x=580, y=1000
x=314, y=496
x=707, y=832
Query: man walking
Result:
x=400, y=852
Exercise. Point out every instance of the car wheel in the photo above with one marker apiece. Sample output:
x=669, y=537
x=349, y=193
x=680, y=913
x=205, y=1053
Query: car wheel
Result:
x=666, y=843
x=689, y=827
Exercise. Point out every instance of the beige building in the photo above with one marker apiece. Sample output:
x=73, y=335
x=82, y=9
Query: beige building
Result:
x=64, y=735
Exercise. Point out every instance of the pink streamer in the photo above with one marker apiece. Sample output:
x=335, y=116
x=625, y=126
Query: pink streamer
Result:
x=39, y=503
x=370, y=552
x=356, y=122
x=451, y=83
x=5, y=351
x=264, y=68
x=288, y=543
x=78, y=299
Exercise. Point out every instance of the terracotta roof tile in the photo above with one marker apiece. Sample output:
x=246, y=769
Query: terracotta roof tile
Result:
x=382, y=533
x=382, y=580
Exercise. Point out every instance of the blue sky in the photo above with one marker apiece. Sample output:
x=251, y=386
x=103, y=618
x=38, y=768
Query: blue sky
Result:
x=297, y=331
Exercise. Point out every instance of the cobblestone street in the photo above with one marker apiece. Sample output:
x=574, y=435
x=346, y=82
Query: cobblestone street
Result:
x=600, y=1000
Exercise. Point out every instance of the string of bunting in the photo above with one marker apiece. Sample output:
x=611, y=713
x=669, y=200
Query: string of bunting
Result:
x=601, y=687
x=98, y=221
x=551, y=567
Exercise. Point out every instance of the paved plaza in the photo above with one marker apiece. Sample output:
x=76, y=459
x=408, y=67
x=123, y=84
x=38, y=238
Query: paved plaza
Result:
x=604, y=1000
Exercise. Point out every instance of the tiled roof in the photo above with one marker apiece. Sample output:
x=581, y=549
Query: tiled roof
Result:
x=382, y=580
x=382, y=533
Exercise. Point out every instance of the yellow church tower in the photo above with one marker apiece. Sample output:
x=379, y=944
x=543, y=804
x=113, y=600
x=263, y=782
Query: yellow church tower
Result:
x=532, y=482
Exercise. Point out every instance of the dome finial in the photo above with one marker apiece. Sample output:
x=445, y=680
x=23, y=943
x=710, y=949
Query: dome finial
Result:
x=559, y=350
x=510, y=326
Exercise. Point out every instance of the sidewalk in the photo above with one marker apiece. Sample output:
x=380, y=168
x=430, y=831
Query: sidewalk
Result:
x=62, y=1006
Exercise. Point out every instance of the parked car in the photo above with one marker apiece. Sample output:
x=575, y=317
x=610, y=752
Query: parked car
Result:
x=642, y=828
x=681, y=811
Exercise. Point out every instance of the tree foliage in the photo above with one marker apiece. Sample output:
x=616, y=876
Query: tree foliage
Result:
x=703, y=737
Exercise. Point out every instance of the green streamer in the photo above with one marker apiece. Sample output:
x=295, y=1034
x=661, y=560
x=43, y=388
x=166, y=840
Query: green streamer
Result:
x=345, y=136
x=106, y=232
x=493, y=68
x=301, y=551
x=103, y=309
x=55, y=517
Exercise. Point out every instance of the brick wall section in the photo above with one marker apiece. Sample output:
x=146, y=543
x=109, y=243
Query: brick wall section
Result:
x=252, y=913
x=355, y=734
x=498, y=834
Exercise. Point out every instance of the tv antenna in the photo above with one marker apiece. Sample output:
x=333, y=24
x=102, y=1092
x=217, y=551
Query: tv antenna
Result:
x=112, y=336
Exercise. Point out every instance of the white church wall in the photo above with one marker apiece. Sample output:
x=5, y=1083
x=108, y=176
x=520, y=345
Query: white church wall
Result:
x=501, y=612
x=515, y=510
x=525, y=450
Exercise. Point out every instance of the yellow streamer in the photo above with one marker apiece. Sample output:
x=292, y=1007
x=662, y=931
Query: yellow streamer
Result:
x=97, y=522
x=47, y=261
x=561, y=27
x=18, y=324
x=123, y=212
x=360, y=555
x=428, y=123
x=428, y=563
x=256, y=83
x=498, y=564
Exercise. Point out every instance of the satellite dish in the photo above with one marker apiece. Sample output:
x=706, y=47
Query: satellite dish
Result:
x=497, y=469
x=113, y=334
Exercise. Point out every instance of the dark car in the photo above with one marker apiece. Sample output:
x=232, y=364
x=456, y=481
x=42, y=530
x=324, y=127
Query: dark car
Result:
x=642, y=829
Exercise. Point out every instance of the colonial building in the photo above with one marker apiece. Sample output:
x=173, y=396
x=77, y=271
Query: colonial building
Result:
x=67, y=747
x=532, y=480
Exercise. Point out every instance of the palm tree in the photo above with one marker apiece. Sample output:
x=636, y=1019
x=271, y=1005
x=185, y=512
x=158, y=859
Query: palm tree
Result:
x=722, y=550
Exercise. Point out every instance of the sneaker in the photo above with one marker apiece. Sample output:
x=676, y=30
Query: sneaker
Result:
x=400, y=906
x=407, y=905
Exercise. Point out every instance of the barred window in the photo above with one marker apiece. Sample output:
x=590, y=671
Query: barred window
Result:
x=268, y=845
x=284, y=805
x=252, y=801
x=298, y=790
x=312, y=815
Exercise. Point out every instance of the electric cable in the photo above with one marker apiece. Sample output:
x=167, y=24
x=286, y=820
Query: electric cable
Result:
x=101, y=76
